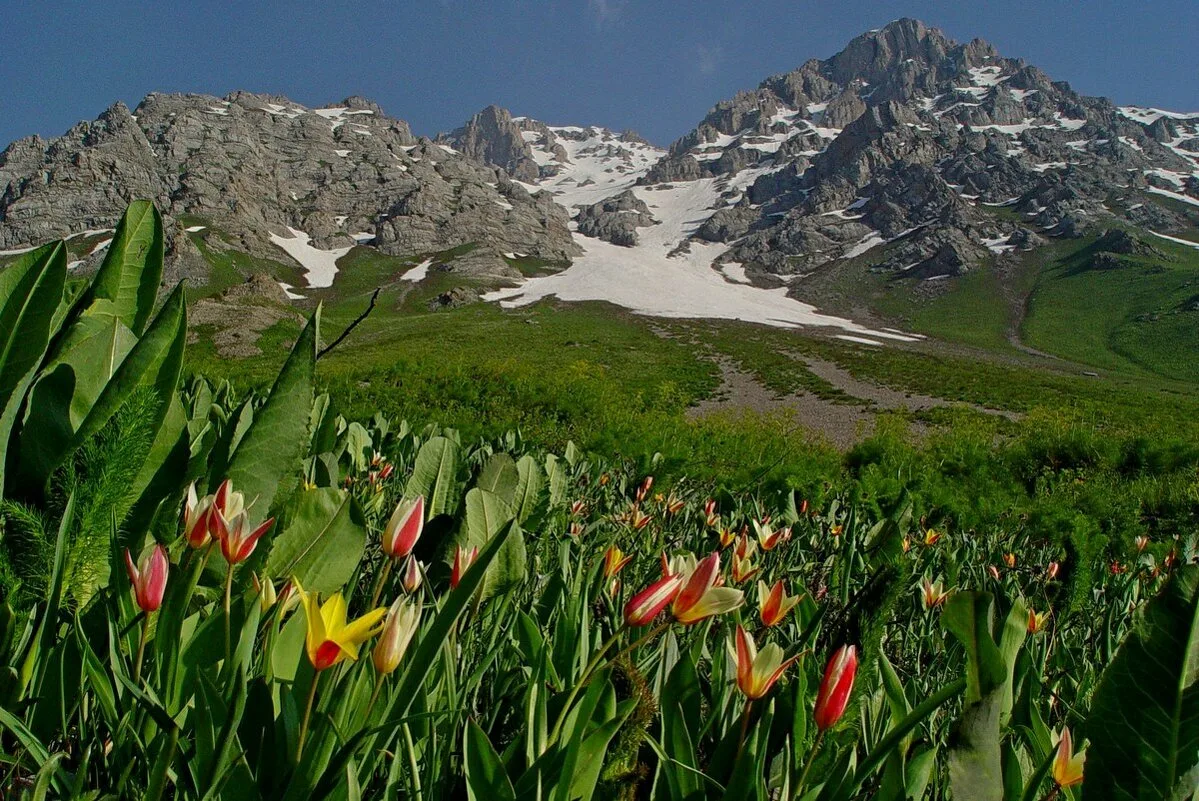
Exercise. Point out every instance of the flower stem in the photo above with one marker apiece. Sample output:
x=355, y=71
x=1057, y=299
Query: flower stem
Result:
x=383, y=574
x=316, y=677
x=375, y=695
x=803, y=777
x=141, y=648
x=744, y=729
x=228, y=604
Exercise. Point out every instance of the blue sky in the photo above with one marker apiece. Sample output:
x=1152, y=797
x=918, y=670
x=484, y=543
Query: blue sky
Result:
x=652, y=66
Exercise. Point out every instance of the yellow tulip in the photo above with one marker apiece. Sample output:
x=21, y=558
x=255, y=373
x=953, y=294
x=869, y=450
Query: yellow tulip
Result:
x=757, y=671
x=1067, y=765
x=330, y=639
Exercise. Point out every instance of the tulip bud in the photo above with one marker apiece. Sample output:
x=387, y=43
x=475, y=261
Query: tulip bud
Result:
x=149, y=577
x=1067, y=765
x=196, y=513
x=411, y=577
x=403, y=619
x=1052, y=571
x=836, y=687
x=266, y=592
x=614, y=561
x=462, y=562
x=643, y=607
x=404, y=528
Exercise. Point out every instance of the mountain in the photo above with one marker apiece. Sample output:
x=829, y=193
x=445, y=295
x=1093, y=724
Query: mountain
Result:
x=264, y=171
x=906, y=154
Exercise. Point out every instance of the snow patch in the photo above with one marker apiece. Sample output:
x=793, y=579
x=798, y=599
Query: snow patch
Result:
x=418, y=272
x=320, y=266
x=195, y=229
x=1179, y=240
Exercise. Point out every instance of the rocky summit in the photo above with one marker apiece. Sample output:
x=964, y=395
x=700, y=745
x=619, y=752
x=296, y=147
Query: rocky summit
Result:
x=926, y=157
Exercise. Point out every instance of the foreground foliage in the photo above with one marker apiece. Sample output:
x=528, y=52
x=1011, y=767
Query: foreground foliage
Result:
x=194, y=579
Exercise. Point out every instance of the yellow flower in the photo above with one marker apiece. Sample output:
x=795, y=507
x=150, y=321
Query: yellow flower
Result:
x=330, y=639
x=757, y=671
x=701, y=596
x=1067, y=765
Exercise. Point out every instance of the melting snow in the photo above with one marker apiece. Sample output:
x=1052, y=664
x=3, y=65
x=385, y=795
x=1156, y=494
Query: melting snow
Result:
x=362, y=237
x=418, y=272
x=1187, y=242
x=195, y=229
x=287, y=290
x=320, y=265
x=1176, y=195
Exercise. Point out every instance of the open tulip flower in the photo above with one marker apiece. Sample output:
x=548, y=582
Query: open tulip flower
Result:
x=197, y=526
x=404, y=527
x=403, y=619
x=702, y=596
x=769, y=537
x=228, y=503
x=646, y=605
x=931, y=537
x=1067, y=765
x=933, y=594
x=238, y=541
x=757, y=671
x=149, y=577
x=330, y=639
x=774, y=603
x=836, y=686
x=614, y=561
x=463, y=559
x=1037, y=621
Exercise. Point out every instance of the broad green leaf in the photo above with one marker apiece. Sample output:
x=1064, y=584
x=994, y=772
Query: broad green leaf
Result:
x=127, y=282
x=267, y=460
x=486, y=779
x=435, y=475
x=968, y=617
x=324, y=539
x=30, y=291
x=500, y=476
x=557, y=480
x=529, y=498
x=486, y=515
x=1144, y=720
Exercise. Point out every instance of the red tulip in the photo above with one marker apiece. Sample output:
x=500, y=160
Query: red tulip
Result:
x=462, y=562
x=404, y=528
x=237, y=543
x=643, y=607
x=149, y=577
x=836, y=687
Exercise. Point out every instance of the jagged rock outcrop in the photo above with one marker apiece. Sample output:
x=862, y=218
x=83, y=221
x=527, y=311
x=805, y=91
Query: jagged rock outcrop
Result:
x=616, y=219
x=252, y=165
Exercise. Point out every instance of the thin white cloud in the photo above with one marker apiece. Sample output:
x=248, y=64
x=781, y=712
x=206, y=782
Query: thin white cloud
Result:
x=709, y=58
x=607, y=10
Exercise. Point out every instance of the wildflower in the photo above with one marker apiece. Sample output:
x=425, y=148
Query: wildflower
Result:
x=329, y=638
x=227, y=503
x=711, y=518
x=1169, y=559
x=462, y=561
x=266, y=591
x=643, y=607
x=1037, y=621
x=701, y=596
x=774, y=603
x=743, y=566
x=644, y=489
x=149, y=577
x=604, y=479
x=673, y=505
x=1116, y=568
x=614, y=561
x=994, y=571
x=931, y=536
x=769, y=538
x=404, y=527
x=575, y=530
x=578, y=508
x=1142, y=542
x=1052, y=571
x=726, y=536
x=906, y=544
x=757, y=671
x=403, y=619
x=836, y=530
x=236, y=542
x=836, y=686
x=1067, y=765
x=196, y=522
x=1009, y=559
x=411, y=576
x=803, y=507
x=933, y=594
x=638, y=519
x=386, y=472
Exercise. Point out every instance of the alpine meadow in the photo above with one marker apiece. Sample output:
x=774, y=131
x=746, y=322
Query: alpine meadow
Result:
x=847, y=448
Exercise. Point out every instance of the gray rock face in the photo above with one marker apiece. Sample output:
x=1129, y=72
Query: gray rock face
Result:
x=251, y=165
x=616, y=219
x=904, y=138
x=492, y=137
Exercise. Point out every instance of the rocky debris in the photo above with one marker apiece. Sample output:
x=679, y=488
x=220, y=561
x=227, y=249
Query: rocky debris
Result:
x=1120, y=241
x=616, y=219
x=455, y=298
x=250, y=164
x=237, y=318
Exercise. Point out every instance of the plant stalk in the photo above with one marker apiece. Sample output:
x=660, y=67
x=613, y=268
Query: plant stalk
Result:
x=228, y=604
x=383, y=574
x=141, y=648
x=803, y=777
x=316, y=677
